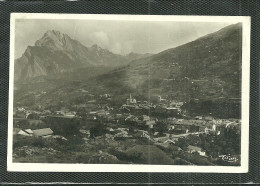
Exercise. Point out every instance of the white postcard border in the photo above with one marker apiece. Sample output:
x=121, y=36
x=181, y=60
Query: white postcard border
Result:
x=51, y=167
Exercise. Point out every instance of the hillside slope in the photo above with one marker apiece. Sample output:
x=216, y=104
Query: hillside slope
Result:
x=207, y=68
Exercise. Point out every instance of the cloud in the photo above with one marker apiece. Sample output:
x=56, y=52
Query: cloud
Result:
x=128, y=47
x=101, y=38
x=116, y=48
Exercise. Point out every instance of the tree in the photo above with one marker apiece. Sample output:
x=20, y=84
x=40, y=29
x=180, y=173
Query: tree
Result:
x=162, y=127
x=33, y=116
x=82, y=114
x=97, y=130
x=131, y=129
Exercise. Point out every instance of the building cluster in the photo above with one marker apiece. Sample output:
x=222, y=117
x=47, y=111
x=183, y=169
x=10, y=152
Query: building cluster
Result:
x=134, y=105
x=156, y=104
x=44, y=133
x=132, y=114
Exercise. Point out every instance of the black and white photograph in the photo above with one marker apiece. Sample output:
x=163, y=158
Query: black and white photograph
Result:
x=128, y=93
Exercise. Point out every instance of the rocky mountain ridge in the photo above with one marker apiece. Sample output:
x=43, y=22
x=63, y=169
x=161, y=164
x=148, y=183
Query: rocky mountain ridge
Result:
x=57, y=53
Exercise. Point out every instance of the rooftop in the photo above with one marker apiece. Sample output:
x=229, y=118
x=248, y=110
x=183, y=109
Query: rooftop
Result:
x=190, y=147
x=43, y=132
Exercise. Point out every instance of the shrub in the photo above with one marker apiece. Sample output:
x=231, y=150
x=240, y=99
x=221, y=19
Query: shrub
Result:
x=38, y=142
x=20, y=141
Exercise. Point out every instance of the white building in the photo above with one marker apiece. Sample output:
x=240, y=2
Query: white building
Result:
x=130, y=100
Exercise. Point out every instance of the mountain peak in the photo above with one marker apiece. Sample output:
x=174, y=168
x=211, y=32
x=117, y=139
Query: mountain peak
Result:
x=131, y=54
x=98, y=50
x=96, y=47
x=55, y=40
x=53, y=33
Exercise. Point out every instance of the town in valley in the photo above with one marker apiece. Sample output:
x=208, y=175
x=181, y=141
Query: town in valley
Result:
x=97, y=132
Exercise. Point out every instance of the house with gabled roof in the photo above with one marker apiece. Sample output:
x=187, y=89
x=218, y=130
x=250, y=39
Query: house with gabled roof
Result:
x=25, y=132
x=192, y=149
x=43, y=132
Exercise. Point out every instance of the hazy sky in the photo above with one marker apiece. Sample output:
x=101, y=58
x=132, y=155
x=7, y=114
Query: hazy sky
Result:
x=121, y=37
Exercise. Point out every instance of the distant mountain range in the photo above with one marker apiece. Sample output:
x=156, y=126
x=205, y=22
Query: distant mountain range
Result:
x=57, y=53
x=208, y=68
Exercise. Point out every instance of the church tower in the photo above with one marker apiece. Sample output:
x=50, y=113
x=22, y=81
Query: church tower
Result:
x=130, y=99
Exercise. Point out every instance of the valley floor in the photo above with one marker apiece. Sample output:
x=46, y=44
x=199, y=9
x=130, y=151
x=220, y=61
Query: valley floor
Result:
x=133, y=133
